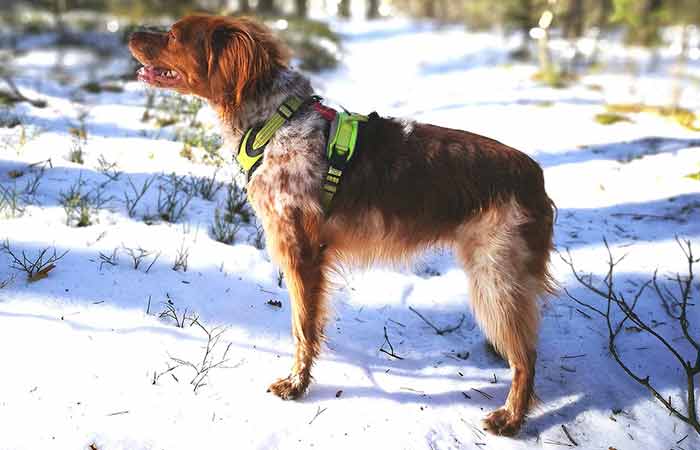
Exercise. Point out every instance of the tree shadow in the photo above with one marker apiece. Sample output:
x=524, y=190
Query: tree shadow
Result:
x=623, y=152
x=627, y=223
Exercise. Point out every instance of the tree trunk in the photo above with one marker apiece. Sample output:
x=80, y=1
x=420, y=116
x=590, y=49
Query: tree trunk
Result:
x=544, y=57
x=302, y=8
x=267, y=7
x=573, y=21
x=543, y=54
x=59, y=9
x=680, y=69
x=605, y=9
x=649, y=17
x=344, y=9
x=372, y=9
x=444, y=10
x=429, y=9
x=244, y=6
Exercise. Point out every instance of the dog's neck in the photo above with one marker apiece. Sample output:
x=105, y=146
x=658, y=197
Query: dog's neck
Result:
x=256, y=108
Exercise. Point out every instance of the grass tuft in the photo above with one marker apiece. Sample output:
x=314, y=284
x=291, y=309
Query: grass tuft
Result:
x=610, y=118
x=684, y=117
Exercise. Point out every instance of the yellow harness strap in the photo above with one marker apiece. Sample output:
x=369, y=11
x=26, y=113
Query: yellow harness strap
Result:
x=252, y=146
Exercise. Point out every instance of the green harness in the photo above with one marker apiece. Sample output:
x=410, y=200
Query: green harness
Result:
x=252, y=146
x=340, y=149
x=342, y=140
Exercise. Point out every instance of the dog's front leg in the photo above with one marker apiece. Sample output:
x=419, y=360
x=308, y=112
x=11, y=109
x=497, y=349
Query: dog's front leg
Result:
x=302, y=260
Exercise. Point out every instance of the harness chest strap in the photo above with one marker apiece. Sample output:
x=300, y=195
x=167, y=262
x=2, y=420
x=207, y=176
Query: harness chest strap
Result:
x=340, y=148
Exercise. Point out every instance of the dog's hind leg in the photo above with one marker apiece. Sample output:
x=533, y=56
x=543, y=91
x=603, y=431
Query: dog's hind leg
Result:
x=505, y=278
x=303, y=263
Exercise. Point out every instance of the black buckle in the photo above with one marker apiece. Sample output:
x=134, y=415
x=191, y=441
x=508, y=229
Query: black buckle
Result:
x=338, y=161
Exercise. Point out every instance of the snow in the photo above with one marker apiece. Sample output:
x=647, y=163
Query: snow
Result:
x=83, y=346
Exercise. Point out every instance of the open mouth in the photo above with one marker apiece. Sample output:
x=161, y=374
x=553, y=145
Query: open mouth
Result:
x=158, y=76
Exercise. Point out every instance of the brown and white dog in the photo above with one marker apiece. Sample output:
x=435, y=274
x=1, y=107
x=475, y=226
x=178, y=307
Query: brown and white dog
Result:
x=412, y=186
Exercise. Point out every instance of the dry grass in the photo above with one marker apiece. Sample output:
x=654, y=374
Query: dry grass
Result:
x=684, y=117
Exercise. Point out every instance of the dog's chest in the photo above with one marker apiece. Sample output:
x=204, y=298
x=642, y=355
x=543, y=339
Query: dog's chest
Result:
x=291, y=173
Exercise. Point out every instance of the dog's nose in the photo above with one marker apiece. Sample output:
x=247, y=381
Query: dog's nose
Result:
x=136, y=37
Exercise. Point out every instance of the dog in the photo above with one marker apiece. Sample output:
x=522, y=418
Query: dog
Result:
x=411, y=187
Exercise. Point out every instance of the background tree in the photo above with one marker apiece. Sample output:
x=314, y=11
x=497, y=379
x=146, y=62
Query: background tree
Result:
x=522, y=15
x=642, y=20
x=344, y=8
x=372, y=9
x=573, y=19
x=267, y=7
x=302, y=8
x=429, y=9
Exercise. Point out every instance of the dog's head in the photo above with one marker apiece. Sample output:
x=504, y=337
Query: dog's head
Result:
x=222, y=59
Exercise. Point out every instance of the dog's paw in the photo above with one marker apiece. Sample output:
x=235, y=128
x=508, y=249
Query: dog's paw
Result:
x=290, y=388
x=502, y=422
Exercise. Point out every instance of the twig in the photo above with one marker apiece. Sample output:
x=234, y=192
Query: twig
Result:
x=568, y=435
x=111, y=260
x=587, y=316
x=153, y=262
x=17, y=95
x=487, y=396
x=551, y=442
x=7, y=282
x=397, y=323
x=637, y=216
x=572, y=356
x=319, y=411
x=391, y=347
x=439, y=331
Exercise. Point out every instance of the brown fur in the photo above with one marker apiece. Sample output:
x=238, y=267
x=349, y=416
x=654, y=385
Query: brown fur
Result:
x=412, y=186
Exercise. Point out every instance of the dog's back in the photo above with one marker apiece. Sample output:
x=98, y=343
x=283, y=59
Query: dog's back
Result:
x=424, y=182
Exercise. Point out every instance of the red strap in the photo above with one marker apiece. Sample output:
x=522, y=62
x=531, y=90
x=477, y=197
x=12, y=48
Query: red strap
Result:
x=325, y=112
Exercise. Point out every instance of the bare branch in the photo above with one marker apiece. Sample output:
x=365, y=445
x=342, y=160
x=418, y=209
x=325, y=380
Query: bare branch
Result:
x=669, y=301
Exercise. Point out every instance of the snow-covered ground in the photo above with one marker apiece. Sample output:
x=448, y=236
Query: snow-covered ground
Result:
x=86, y=356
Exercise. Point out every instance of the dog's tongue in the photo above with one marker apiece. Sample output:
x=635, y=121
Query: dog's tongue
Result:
x=147, y=74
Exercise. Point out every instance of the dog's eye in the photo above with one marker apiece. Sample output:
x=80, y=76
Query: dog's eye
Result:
x=172, y=35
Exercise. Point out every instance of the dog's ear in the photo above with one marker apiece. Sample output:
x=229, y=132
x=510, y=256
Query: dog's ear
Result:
x=242, y=54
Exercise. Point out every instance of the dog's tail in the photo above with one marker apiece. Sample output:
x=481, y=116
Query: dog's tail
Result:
x=551, y=286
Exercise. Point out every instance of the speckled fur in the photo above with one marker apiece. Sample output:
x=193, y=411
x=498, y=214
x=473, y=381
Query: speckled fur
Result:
x=411, y=187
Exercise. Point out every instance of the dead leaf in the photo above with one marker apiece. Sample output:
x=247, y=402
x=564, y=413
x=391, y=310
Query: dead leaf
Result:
x=43, y=273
